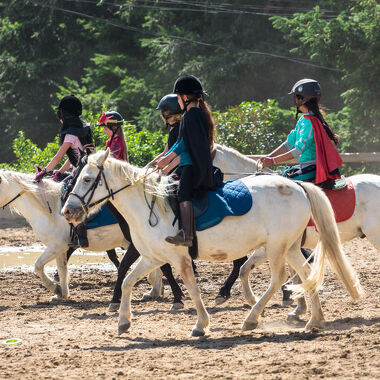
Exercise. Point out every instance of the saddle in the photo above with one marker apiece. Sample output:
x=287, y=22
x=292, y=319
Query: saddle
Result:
x=342, y=201
x=210, y=208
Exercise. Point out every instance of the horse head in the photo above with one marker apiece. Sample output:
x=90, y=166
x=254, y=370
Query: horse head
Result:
x=88, y=189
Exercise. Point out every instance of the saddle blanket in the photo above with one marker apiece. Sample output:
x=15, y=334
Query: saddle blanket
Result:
x=233, y=198
x=342, y=202
x=100, y=219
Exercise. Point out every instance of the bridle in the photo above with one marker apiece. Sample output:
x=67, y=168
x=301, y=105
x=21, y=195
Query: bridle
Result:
x=87, y=205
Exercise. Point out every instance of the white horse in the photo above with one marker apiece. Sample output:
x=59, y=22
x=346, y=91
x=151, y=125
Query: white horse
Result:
x=278, y=227
x=52, y=228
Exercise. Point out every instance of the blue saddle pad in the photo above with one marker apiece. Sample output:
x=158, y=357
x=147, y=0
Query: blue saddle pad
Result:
x=102, y=218
x=233, y=198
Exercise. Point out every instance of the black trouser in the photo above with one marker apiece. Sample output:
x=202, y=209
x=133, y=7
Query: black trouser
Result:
x=185, y=187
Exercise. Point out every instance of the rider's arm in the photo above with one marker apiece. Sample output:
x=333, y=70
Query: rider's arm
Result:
x=65, y=166
x=58, y=157
x=151, y=163
x=172, y=165
x=279, y=150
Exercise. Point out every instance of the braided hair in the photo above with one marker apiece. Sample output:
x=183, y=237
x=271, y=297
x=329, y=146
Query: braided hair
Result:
x=313, y=106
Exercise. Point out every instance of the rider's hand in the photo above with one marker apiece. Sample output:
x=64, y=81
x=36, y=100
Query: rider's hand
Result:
x=267, y=161
x=56, y=176
x=39, y=175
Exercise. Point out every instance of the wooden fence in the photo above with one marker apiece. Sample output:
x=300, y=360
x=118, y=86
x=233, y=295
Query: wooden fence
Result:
x=346, y=157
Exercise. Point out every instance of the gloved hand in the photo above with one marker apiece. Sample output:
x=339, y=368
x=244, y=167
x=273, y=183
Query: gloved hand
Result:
x=56, y=176
x=40, y=174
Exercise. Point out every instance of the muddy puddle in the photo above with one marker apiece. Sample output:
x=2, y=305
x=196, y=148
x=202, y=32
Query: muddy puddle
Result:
x=12, y=258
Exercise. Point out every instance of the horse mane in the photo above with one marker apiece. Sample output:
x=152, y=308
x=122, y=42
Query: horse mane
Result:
x=236, y=153
x=25, y=181
x=132, y=174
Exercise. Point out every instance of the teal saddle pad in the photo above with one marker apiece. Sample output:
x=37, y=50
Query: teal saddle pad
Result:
x=101, y=218
x=233, y=198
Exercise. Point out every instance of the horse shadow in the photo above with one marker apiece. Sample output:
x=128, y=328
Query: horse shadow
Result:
x=335, y=329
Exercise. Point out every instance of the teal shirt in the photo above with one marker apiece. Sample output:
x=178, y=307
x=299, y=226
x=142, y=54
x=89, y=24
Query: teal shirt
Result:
x=179, y=148
x=302, y=139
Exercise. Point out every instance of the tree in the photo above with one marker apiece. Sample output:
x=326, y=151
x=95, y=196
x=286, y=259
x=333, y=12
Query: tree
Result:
x=351, y=42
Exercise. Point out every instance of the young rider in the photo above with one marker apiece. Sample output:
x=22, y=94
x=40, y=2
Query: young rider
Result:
x=73, y=137
x=112, y=125
x=193, y=146
x=311, y=141
x=171, y=114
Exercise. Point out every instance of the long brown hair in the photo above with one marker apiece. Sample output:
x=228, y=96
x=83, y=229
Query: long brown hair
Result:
x=314, y=107
x=119, y=131
x=206, y=109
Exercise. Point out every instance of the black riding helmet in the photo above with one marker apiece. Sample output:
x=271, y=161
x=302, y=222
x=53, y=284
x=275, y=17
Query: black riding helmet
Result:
x=112, y=118
x=188, y=84
x=304, y=90
x=69, y=105
x=169, y=103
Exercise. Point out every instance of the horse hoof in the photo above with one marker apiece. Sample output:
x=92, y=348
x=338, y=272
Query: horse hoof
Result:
x=113, y=307
x=314, y=327
x=148, y=297
x=124, y=328
x=292, y=318
x=286, y=303
x=249, y=325
x=177, y=306
x=220, y=300
x=197, y=333
x=58, y=291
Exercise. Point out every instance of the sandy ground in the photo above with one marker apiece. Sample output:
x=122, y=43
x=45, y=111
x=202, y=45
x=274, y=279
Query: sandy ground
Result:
x=77, y=339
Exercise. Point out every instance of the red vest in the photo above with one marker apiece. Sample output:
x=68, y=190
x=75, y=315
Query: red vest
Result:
x=328, y=159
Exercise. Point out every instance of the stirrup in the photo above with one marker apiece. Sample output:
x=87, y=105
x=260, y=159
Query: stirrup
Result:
x=180, y=239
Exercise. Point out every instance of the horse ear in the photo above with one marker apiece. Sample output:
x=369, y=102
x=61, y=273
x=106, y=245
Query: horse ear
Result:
x=102, y=157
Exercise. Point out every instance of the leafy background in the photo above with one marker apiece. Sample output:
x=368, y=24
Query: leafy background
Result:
x=125, y=55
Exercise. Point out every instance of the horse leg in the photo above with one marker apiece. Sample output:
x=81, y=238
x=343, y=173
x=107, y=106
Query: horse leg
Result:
x=69, y=252
x=130, y=256
x=276, y=256
x=62, y=290
x=143, y=267
x=286, y=293
x=303, y=269
x=177, y=292
x=184, y=268
x=154, y=279
x=49, y=254
x=225, y=290
x=256, y=259
x=113, y=257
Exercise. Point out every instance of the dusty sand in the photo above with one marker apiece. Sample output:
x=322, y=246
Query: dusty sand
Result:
x=77, y=339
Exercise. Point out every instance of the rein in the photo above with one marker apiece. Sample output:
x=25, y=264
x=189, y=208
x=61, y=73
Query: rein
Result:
x=14, y=198
x=87, y=205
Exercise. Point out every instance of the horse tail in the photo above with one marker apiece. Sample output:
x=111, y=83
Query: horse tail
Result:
x=329, y=245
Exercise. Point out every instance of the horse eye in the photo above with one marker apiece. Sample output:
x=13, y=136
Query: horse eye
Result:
x=86, y=179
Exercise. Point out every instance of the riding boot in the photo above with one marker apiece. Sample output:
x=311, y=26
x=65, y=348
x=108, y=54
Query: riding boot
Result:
x=185, y=234
x=82, y=235
x=79, y=236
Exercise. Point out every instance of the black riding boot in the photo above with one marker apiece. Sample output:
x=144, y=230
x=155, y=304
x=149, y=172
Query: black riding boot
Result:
x=79, y=236
x=185, y=235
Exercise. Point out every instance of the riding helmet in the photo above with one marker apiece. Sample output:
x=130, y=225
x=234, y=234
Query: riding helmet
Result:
x=70, y=104
x=307, y=88
x=169, y=103
x=188, y=84
x=110, y=117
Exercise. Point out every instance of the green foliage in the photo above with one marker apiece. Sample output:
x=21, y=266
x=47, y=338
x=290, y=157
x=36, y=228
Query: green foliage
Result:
x=350, y=42
x=143, y=146
x=28, y=154
x=254, y=127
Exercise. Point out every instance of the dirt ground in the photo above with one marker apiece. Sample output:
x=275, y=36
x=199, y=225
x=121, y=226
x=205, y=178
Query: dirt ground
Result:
x=77, y=339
